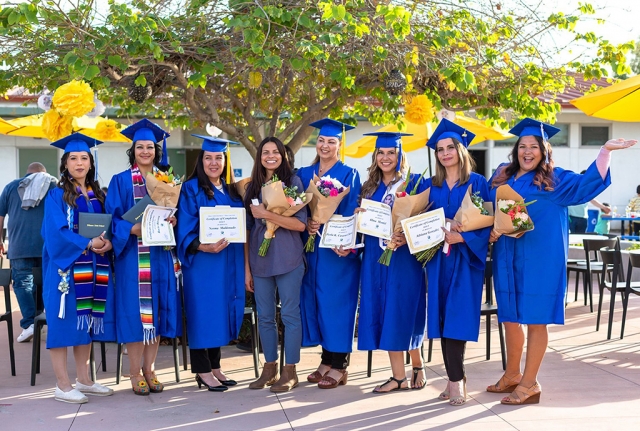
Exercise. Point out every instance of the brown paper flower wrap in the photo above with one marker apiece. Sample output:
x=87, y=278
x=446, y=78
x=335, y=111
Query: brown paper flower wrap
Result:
x=162, y=194
x=321, y=207
x=274, y=200
x=503, y=223
x=469, y=215
x=404, y=207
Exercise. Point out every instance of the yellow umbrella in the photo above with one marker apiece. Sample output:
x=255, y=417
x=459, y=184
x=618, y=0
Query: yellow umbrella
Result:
x=421, y=134
x=6, y=126
x=618, y=102
x=31, y=126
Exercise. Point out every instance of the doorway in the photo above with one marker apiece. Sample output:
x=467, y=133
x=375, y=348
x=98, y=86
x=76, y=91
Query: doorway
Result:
x=480, y=157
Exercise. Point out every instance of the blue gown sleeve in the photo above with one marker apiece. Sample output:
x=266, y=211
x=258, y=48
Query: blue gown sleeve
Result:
x=476, y=242
x=353, y=197
x=188, y=223
x=63, y=245
x=115, y=205
x=574, y=189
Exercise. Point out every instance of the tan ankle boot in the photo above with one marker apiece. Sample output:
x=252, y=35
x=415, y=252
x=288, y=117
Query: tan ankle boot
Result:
x=288, y=379
x=268, y=377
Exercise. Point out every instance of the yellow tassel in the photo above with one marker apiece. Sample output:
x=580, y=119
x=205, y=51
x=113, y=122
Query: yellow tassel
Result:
x=343, y=143
x=228, y=165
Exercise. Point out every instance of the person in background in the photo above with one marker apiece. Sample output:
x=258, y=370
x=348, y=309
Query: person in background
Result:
x=291, y=159
x=634, y=206
x=602, y=226
x=78, y=285
x=530, y=272
x=332, y=273
x=579, y=214
x=147, y=297
x=25, y=208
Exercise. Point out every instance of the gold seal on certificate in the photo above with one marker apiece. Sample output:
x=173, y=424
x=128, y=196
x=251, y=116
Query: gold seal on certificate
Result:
x=424, y=230
x=339, y=231
x=156, y=230
x=376, y=220
x=222, y=222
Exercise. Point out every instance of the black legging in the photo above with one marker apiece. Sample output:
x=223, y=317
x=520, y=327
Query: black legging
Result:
x=205, y=360
x=453, y=355
x=334, y=359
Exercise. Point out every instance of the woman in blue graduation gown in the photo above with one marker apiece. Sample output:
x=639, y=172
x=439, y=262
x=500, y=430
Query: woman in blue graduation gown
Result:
x=332, y=274
x=455, y=280
x=530, y=272
x=147, y=297
x=213, y=273
x=393, y=298
x=78, y=289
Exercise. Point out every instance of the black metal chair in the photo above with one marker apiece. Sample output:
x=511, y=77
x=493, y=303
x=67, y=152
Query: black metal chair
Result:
x=255, y=340
x=631, y=287
x=594, y=266
x=5, y=282
x=38, y=324
x=611, y=259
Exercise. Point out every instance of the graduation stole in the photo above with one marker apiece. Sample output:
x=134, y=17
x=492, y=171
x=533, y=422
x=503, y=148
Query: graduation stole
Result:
x=144, y=265
x=90, y=274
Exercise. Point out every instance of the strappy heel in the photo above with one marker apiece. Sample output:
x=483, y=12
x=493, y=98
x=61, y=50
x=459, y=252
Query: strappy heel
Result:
x=444, y=395
x=522, y=395
x=391, y=379
x=414, y=378
x=458, y=392
x=504, y=385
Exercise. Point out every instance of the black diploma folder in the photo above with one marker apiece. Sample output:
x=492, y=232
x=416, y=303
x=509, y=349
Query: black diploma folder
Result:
x=91, y=225
x=134, y=215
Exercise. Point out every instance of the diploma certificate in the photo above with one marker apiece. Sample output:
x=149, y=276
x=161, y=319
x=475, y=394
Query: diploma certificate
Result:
x=155, y=229
x=424, y=230
x=339, y=231
x=376, y=220
x=222, y=222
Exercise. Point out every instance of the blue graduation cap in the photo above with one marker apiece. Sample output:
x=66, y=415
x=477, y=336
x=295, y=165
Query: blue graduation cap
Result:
x=449, y=129
x=145, y=130
x=531, y=127
x=78, y=142
x=218, y=145
x=390, y=140
x=331, y=128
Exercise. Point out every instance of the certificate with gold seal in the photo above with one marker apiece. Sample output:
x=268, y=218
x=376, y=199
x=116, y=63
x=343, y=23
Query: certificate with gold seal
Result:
x=375, y=220
x=424, y=230
x=339, y=232
x=222, y=222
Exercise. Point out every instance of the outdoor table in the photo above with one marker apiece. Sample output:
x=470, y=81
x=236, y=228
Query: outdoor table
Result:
x=622, y=220
x=578, y=238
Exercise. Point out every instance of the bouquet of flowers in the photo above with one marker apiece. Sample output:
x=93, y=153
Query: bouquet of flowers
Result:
x=328, y=193
x=474, y=213
x=285, y=201
x=512, y=218
x=164, y=188
x=405, y=206
x=426, y=255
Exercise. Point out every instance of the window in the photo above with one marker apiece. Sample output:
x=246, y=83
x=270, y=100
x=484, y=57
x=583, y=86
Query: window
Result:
x=47, y=156
x=560, y=139
x=594, y=135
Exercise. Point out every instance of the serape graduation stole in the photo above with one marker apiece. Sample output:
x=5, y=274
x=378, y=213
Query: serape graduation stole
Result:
x=144, y=266
x=90, y=274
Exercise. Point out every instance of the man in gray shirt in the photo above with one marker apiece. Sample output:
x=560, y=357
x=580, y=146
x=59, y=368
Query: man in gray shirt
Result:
x=25, y=246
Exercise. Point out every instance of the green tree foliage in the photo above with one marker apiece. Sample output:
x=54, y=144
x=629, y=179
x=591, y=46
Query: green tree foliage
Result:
x=261, y=68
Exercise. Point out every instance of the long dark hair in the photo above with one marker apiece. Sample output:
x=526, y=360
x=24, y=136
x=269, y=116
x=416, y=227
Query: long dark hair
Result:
x=131, y=153
x=205, y=183
x=259, y=173
x=67, y=183
x=544, y=178
x=465, y=165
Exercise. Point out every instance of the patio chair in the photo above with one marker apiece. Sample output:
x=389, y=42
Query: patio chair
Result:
x=5, y=282
x=595, y=267
x=611, y=258
x=631, y=287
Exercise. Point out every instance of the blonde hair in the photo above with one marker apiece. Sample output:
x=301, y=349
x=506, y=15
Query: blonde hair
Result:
x=465, y=165
x=375, y=175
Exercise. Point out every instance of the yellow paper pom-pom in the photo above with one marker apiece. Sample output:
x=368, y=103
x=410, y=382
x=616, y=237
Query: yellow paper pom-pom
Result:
x=56, y=126
x=419, y=110
x=74, y=99
x=106, y=130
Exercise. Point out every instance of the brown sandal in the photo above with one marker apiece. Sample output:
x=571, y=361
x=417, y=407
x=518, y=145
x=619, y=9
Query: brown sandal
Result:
x=152, y=381
x=504, y=385
x=522, y=395
x=329, y=382
x=139, y=387
x=316, y=376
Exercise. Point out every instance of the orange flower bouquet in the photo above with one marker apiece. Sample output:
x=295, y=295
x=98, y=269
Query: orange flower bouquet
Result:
x=164, y=188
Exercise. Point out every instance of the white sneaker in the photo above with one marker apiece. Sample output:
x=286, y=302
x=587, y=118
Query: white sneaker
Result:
x=96, y=389
x=26, y=335
x=74, y=396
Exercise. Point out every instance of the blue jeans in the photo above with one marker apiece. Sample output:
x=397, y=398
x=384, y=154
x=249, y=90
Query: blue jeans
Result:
x=288, y=286
x=23, y=287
